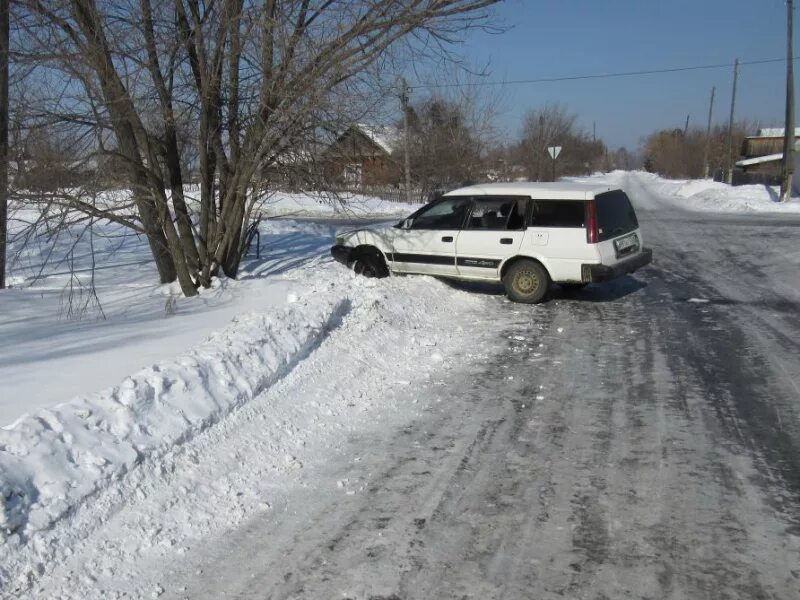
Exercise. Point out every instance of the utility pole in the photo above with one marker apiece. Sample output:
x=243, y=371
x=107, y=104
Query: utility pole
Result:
x=594, y=131
x=730, y=122
x=3, y=139
x=788, y=137
x=706, y=167
x=404, y=93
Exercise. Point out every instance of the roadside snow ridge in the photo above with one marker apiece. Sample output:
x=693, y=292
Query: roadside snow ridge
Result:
x=53, y=460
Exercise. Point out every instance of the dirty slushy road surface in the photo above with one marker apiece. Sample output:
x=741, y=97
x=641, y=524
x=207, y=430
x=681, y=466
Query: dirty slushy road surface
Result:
x=635, y=440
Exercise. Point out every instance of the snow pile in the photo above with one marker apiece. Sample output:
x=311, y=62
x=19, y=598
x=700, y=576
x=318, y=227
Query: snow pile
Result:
x=52, y=461
x=691, y=187
x=705, y=195
x=714, y=196
x=648, y=190
x=719, y=197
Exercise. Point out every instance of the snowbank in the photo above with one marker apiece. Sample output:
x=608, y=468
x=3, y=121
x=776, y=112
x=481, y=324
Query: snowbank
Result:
x=53, y=460
x=648, y=190
x=720, y=197
x=712, y=196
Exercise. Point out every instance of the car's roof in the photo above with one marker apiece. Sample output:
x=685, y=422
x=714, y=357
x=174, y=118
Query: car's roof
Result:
x=560, y=190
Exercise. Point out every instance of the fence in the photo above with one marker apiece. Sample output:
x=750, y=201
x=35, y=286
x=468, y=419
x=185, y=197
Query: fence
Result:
x=390, y=193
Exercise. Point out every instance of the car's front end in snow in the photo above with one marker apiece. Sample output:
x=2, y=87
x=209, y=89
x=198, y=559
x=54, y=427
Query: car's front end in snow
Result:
x=341, y=253
x=364, y=250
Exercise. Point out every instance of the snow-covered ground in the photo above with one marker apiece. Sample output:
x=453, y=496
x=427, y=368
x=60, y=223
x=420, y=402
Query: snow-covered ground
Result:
x=335, y=205
x=53, y=323
x=51, y=355
x=99, y=396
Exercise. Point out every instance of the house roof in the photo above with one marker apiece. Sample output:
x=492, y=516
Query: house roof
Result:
x=384, y=136
x=774, y=132
x=759, y=160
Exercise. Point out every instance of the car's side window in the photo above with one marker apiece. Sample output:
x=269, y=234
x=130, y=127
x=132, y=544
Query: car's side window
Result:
x=558, y=213
x=493, y=213
x=445, y=214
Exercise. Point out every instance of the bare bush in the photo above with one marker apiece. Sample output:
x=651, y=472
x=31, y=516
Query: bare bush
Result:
x=680, y=154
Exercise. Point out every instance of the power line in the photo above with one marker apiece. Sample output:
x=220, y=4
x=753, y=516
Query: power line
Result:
x=599, y=75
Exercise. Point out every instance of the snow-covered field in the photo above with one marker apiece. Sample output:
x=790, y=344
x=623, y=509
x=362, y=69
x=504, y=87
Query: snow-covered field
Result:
x=334, y=205
x=55, y=325
x=99, y=395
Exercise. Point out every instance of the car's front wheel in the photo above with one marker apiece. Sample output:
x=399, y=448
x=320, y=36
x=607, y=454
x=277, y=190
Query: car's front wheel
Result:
x=526, y=281
x=370, y=265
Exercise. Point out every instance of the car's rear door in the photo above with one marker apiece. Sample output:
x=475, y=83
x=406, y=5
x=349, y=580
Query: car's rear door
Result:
x=618, y=231
x=493, y=232
x=429, y=245
x=557, y=235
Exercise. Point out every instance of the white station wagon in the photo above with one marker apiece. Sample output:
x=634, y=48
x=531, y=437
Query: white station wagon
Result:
x=525, y=235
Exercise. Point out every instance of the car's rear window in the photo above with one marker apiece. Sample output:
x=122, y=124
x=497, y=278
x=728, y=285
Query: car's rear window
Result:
x=615, y=215
x=557, y=213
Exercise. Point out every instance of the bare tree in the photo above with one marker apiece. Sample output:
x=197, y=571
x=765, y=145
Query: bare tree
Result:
x=444, y=150
x=252, y=82
x=4, y=118
x=452, y=127
x=553, y=125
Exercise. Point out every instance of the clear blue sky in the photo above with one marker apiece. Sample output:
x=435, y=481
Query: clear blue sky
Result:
x=553, y=38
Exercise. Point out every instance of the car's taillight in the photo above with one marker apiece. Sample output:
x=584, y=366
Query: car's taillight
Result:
x=592, y=235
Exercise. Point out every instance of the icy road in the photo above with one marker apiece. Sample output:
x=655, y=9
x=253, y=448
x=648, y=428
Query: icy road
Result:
x=634, y=440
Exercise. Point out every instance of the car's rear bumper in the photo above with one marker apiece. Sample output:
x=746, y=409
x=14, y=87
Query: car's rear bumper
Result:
x=341, y=254
x=596, y=273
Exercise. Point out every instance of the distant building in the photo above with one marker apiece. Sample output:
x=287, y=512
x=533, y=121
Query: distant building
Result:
x=762, y=154
x=361, y=156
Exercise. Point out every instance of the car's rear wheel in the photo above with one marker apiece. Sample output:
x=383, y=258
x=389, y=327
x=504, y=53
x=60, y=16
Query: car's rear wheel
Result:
x=526, y=281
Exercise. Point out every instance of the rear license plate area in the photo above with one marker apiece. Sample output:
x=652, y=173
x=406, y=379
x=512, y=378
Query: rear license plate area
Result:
x=626, y=245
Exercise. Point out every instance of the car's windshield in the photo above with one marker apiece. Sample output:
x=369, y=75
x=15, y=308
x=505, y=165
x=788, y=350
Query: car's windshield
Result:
x=447, y=213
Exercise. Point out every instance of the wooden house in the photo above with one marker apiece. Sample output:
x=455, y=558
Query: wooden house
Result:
x=361, y=157
x=763, y=153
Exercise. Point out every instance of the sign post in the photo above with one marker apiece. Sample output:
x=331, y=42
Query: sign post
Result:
x=554, y=152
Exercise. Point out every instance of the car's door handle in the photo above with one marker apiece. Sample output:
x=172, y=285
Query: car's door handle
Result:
x=506, y=240
x=447, y=238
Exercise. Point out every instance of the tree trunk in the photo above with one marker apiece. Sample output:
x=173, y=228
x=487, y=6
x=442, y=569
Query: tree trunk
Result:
x=179, y=203
x=155, y=237
x=175, y=248
x=229, y=251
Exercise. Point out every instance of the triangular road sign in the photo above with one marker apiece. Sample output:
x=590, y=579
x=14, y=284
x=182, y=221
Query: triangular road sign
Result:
x=554, y=151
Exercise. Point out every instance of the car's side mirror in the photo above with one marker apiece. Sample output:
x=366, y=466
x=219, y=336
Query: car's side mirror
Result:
x=406, y=223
